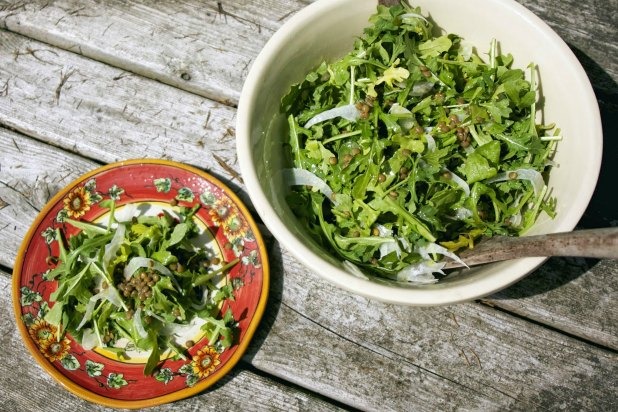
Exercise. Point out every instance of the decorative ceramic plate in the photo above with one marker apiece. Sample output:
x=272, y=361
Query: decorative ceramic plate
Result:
x=143, y=186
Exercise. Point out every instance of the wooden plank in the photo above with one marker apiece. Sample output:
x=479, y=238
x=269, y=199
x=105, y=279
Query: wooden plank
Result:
x=335, y=364
x=290, y=356
x=376, y=356
x=484, y=350
x=31, y=175
x=207, y=47
x=589, y=28
x=107, y=114
x=113, y=115
x=26, y=387
x=519, y=355
x=203, y=47
x=584, y=290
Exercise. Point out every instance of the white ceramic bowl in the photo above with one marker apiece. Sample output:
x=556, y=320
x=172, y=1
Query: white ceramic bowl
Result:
x=326, y=30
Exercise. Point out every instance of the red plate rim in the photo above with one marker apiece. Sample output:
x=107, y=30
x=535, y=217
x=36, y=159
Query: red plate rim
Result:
x=169, y=397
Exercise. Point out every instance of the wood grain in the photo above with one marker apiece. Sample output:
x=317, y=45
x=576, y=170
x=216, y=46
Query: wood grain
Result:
x=582, y=289
x=113, y=113
x=239, y=390
x=589, y=28
x=486, y=351
x=207, y=47
x=89, y=82
x=107, y=114
x=375, y=356
x=590, y=243
x=202, y=47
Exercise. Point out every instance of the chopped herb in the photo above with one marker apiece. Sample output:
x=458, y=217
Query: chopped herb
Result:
x=412, y=141
x=136, y=281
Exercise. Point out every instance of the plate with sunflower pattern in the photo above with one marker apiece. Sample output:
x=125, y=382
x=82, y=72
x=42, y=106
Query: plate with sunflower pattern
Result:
x=103, y=376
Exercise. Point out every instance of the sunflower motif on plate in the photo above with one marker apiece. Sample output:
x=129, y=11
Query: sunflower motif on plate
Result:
x=104, y=374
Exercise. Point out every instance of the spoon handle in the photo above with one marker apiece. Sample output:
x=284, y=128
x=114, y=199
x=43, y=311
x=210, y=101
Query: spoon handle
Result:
x=593, y=243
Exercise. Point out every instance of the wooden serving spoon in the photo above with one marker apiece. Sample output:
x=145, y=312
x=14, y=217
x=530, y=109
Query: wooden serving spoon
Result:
x=592, y=243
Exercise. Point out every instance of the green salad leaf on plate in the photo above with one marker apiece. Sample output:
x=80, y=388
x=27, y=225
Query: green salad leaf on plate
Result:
x=134, y=284
x=412, y=147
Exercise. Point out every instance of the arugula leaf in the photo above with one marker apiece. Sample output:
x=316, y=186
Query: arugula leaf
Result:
x=54, y=318
x=153, y=359
x=477, y=168
x=434, y=47
x=133, y=280
x=427, y=105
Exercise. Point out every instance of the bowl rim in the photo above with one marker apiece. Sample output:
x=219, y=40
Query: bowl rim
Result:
x=185, y=392
x=517, y=269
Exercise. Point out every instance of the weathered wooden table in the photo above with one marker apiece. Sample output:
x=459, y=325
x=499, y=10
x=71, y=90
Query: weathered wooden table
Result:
x=83, y=83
